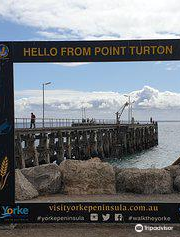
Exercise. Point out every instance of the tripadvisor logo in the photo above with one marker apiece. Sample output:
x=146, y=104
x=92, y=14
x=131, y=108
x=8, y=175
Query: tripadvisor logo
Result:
x=139, y=228
x=3, y=51
x=14, y=212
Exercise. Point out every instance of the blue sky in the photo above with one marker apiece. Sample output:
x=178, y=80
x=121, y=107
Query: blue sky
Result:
x=97, y=86
x=118, y=77
x=15, y=31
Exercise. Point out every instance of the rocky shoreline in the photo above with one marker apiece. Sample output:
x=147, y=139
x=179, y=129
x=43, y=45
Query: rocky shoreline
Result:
x=93, y=177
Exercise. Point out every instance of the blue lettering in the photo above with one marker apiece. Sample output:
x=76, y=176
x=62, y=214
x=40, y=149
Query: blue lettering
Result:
x=15, y=211
x=5, y=209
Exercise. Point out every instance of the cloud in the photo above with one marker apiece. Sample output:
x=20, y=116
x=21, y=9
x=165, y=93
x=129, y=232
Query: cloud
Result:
x=150, y=98
x=172, y=66
x=101, y=19
x=169, y=66
x=65, y=100
x=71, y=64
x=69, y=103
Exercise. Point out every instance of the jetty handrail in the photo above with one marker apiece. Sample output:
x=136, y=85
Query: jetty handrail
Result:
x=66, y=122
x=59, y=122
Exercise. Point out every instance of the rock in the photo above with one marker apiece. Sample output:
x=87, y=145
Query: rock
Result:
x=174, y=170
x=177, y=162
x=177, y=183
x=144, y=181
x=46, y=178
x=87, y=177
x=94, y=159
x=24, y=190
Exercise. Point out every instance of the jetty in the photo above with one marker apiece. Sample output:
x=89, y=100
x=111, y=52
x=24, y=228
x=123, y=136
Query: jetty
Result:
x=63, y=139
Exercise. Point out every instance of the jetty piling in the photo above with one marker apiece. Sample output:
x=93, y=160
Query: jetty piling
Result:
x=80, y=141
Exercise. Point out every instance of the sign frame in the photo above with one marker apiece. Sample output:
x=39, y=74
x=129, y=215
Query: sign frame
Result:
x=63, y=52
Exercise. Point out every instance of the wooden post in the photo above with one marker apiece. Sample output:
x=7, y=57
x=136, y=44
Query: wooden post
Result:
x=95, y=141
x=19, y=154
x=44, y=148
x=87, y=146
x=69, y=145
x=60, y=148
x=30, y=149
x=100, y=143
x=51, y=147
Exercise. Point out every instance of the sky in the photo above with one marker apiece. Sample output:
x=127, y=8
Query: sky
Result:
x=99, y=87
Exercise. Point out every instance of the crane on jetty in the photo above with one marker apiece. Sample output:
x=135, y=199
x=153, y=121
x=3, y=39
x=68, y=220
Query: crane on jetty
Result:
x=120, y=112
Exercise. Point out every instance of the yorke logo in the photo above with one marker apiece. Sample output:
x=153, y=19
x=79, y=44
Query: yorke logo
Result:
x=14, y=212
x=3, y=51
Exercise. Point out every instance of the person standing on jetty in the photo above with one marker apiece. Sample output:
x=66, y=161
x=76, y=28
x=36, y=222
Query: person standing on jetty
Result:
x=33, y=120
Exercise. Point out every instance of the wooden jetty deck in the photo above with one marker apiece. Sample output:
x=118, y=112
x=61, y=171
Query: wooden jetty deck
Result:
x=81, y=141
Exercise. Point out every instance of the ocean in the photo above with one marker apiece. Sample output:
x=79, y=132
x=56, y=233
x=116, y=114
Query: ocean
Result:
x=160, y=156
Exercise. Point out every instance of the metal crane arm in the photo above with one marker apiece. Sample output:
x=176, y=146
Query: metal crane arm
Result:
x=118, y=114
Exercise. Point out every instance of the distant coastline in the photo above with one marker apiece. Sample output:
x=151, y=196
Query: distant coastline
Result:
x=168, y=121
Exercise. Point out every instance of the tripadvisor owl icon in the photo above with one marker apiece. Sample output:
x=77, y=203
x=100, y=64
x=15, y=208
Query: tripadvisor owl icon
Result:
x=3, y=51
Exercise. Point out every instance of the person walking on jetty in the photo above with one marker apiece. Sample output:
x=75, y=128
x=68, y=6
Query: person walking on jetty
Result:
x=33, y=120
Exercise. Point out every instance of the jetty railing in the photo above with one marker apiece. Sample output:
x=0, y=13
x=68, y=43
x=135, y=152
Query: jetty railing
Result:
x=66, y=122
x=62, y=122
